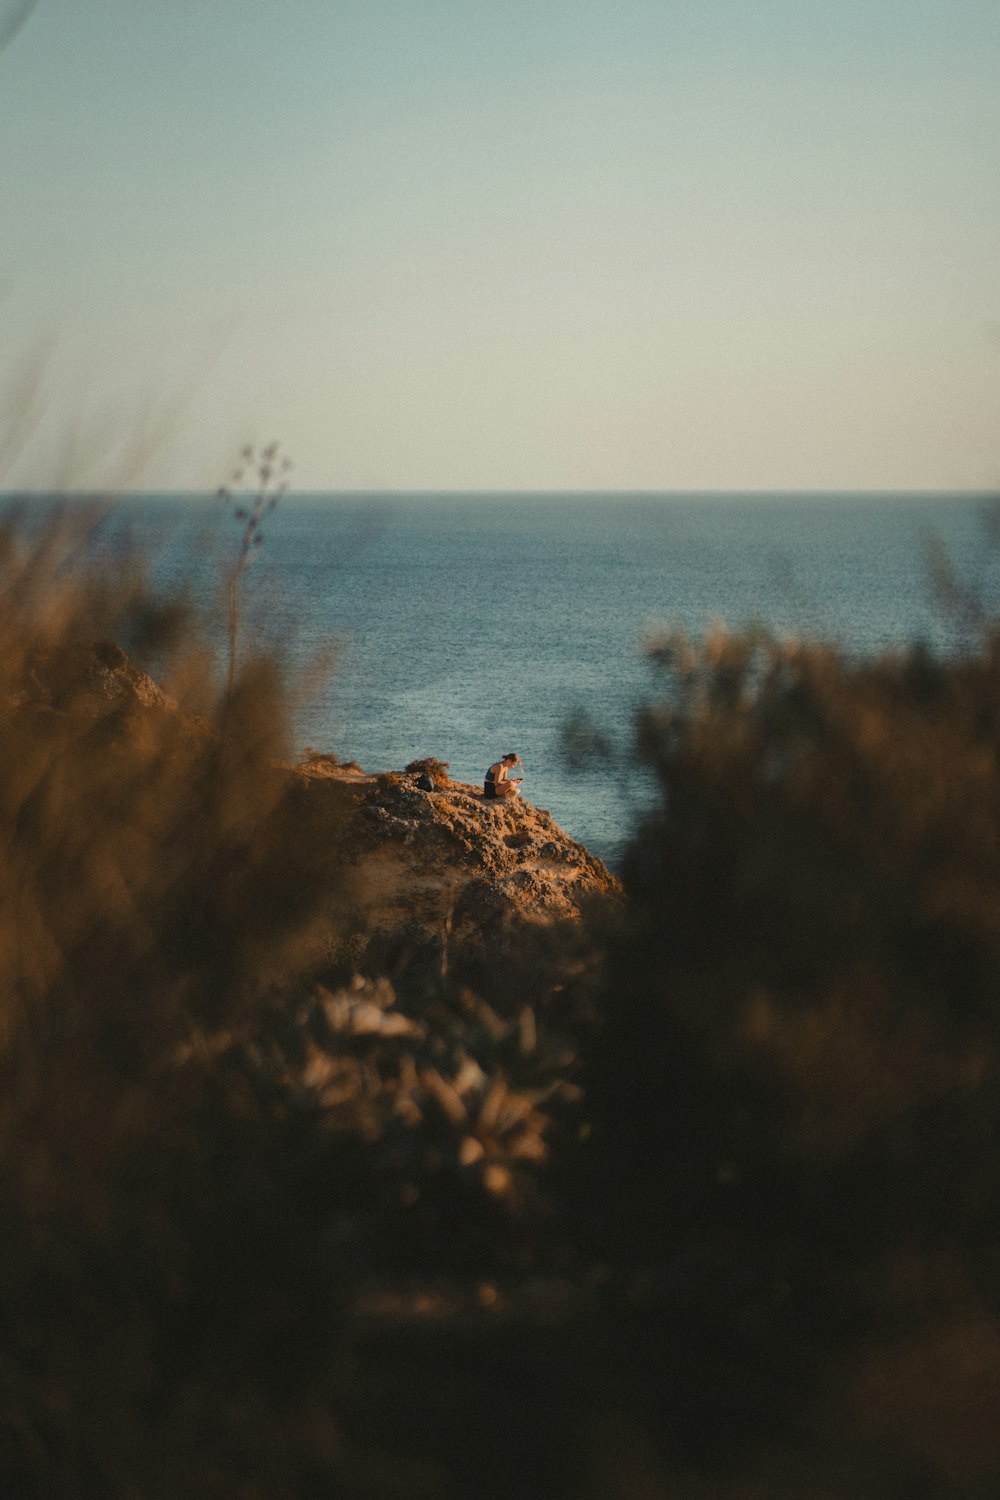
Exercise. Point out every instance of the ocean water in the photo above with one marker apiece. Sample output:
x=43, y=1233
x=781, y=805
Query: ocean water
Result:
x=467, y=626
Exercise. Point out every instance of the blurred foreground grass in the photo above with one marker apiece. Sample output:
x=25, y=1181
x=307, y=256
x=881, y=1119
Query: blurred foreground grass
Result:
x=702, y=1202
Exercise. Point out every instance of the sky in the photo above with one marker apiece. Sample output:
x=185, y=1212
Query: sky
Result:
x=530, y=244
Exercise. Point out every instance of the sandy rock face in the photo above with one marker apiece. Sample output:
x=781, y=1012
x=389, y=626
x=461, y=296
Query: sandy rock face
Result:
x=452, y=863
x=113, y=677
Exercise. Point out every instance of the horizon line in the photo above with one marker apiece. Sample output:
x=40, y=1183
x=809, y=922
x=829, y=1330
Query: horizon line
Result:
x=110, y=492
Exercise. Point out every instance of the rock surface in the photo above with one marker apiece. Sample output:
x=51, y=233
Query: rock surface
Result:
x=101, y=672
x=449, y=867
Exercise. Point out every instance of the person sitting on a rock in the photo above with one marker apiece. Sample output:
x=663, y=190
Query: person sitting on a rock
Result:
x=498, y=781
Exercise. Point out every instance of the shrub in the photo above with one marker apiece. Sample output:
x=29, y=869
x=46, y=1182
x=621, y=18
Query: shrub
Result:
x=437, y=770
x=325, y=761
x=162, y=1286
x=794, y=1090
x=387, y=783
x=203, y=1155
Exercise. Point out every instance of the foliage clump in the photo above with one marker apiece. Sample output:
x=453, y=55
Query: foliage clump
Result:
x=436, y=769
x=794, y=1092
x=388, y=784
x=325, y=760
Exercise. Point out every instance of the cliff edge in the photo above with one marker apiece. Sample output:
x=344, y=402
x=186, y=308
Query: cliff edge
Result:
x=448, y=868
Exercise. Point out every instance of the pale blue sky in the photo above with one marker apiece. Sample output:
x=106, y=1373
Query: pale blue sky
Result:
x=560, y=244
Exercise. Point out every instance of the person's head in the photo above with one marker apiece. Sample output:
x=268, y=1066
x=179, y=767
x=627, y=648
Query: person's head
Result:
x=512, y=759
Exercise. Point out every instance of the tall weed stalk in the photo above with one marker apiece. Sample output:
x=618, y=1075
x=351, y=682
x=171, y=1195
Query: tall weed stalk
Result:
x=267, y=470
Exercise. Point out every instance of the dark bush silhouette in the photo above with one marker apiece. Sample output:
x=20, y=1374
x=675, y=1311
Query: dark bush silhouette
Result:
x=794, y=1091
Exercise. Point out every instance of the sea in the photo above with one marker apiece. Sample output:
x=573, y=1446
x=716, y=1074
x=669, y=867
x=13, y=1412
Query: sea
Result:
x=464, y=626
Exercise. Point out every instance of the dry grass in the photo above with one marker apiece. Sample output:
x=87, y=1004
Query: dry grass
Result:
x=436, y=769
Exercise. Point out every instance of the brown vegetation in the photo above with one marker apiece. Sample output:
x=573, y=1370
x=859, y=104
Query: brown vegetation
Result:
x=436, y=769
x=325, y=1171
x=213, y=1135
x=795, y=1093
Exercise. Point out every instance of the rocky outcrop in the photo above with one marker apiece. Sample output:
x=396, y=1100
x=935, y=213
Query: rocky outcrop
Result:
x=448, y=868
x=101, y=672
